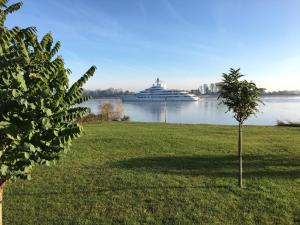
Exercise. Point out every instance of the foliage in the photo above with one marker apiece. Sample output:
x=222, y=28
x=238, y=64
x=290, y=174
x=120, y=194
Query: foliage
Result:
x=90, y=118
x=106, y=112
x=288, y=123
x=125, y=118
x=281, y=93
x=110, y=112
x=37, y=113
x=241, y=97
x=118, y=111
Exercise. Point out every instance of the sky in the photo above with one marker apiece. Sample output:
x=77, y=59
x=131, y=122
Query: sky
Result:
x=183, y=42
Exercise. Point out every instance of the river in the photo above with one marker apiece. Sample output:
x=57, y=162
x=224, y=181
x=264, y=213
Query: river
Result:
x=205, y=111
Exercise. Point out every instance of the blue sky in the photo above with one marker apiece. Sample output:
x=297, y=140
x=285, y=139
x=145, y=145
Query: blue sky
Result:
x=184, y=42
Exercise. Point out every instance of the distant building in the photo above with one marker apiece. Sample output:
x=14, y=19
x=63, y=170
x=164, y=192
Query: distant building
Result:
x=206, y=89
x=210, y=89
x=201, y=90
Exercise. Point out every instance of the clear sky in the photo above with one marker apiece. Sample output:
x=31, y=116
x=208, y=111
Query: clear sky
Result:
x=184, y=42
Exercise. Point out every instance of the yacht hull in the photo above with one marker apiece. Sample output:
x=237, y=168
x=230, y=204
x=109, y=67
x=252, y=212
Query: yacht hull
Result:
x=134, y=98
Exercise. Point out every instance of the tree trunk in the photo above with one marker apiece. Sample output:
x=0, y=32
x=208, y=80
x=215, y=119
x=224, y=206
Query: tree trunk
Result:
x=1, y=200
x=240, y=150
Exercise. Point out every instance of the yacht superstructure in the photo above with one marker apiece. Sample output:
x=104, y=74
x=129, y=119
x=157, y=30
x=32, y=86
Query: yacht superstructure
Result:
x=159, y=92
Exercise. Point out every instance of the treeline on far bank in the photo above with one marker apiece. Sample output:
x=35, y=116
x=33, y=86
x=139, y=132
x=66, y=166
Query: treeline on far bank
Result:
x=110, y=92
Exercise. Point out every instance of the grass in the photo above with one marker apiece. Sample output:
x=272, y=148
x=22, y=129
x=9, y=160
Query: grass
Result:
x=143, y=173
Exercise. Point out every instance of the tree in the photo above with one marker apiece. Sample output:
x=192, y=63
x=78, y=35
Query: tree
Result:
x=106, y=111
x=37, y=105
x=242, y=98
x=118, y=111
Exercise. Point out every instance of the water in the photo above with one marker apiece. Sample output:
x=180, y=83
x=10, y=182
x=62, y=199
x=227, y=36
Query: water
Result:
x=205, y=111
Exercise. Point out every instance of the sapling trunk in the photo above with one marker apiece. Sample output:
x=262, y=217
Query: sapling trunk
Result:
x=240, y=150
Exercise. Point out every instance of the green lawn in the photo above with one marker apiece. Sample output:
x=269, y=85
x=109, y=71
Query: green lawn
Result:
x=143, y=173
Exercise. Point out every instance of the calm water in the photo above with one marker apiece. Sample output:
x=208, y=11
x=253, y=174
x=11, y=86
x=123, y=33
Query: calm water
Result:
x=206, y=110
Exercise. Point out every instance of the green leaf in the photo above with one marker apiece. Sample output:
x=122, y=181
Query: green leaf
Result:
x=26, y=155
x=56, y=133
x=21, y=82
x=14, y=93
x=10, y=136
x=4, y=124
x=46, y=123
x=4, y=170
x=48, y=112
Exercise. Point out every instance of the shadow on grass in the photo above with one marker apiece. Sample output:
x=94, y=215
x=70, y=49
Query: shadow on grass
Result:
x=122, y=189
x=217, y=166
x=269, y=166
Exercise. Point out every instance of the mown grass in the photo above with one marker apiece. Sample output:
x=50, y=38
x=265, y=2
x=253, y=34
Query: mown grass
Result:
x=143, y=173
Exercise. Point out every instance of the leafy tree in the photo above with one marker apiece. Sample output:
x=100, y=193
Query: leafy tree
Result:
x=38, y=110
x=242, y=98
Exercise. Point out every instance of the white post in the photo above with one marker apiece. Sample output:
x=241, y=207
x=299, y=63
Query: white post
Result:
x=165, y=109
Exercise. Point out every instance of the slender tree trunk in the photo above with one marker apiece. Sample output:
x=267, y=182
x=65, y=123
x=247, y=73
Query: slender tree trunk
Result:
x=240, y=150
x=1, y=201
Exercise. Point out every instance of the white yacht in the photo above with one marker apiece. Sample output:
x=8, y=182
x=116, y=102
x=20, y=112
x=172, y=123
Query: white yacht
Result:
x=159, y=92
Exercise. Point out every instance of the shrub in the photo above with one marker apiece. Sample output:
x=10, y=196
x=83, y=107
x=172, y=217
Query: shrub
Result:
x=288, y=124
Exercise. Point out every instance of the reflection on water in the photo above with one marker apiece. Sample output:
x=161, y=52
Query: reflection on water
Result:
x=206, y=110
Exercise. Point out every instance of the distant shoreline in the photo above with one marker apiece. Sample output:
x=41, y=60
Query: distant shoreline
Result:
x=119, y=93
x=202, y=96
